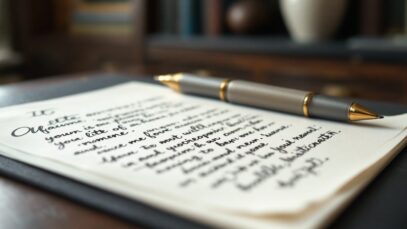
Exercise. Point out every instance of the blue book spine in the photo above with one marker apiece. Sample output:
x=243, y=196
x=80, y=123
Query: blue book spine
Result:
x=189, y=17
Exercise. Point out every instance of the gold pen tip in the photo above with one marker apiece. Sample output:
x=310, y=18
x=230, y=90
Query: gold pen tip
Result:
x=162, y=78
x=358, y=113
x=171, y=80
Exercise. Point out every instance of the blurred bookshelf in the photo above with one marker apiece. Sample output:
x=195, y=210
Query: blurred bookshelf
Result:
x=366, y=58
x=64, y=36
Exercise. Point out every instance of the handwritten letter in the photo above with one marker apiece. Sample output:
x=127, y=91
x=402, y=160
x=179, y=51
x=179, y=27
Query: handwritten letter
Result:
x=197, y=149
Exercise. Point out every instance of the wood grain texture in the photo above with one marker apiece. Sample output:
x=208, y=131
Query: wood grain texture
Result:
x=23, y=206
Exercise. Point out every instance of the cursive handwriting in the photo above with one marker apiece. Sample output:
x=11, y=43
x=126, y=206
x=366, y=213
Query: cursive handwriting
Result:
x=215, y=146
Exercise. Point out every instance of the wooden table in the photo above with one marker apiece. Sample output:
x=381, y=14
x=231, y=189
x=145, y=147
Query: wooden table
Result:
x=25, y=206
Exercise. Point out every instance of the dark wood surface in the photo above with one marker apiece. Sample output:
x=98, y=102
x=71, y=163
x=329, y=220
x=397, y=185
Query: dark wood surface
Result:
x=24, y=206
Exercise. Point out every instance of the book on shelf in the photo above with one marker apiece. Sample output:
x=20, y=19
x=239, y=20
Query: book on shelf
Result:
x=104, y=6
x=62, y=14
x=405, y=18
x=115, y=30
x=167, y=16
x=383, y=18
x=394, y=17
x=220, y=164
x=190, y=18
x=102, y=17
x=81, y=17
x=371, y=17
x=213, y=15
x=190, y=21
x=105, y=1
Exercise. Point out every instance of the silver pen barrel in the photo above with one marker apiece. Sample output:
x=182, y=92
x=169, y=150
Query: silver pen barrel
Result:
x=264, y=96
x=287, y=100
x=246, y=93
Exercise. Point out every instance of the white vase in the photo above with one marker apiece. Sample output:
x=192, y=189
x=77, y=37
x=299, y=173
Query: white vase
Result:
x=312, y=20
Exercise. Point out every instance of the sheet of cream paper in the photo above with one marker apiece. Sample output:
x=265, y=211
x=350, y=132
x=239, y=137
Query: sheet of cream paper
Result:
x=316, y=217
x=147, y=138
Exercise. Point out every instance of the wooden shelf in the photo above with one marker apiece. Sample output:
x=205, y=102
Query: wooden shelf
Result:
x=260, y=45
x=89, y=40
x=377, y=50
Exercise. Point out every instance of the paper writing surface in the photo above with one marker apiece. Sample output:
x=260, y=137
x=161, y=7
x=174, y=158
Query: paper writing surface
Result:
x=231, y=157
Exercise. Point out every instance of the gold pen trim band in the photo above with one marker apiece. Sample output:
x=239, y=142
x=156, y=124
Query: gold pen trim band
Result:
x=351, y=111
x=222, y=89
x=306, y=102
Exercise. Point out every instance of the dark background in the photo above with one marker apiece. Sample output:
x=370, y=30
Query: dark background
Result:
x=365, y=58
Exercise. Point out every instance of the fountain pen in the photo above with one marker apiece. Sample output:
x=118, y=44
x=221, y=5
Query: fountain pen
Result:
x=264, y=96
